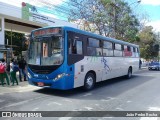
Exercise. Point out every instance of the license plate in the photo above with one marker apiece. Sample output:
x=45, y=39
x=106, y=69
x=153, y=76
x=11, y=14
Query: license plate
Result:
x=40, y=84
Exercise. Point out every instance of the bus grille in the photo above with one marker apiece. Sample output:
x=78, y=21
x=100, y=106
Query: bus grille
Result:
x=43, y=69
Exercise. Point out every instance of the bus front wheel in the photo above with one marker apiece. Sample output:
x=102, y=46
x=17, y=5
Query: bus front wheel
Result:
x=89, y=81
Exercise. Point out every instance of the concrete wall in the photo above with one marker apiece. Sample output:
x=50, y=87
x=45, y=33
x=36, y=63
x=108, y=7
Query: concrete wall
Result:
x=18, y=28
x=2, y=30
x=15, y=13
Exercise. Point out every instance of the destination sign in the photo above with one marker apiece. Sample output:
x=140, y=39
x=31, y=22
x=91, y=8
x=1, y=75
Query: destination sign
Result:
x=46, y=31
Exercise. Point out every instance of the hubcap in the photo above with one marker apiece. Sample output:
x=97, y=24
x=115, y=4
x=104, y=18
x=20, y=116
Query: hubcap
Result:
x=89, y=81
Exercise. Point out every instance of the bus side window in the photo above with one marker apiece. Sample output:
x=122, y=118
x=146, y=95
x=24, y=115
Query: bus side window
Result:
x=133, y=52
x=79, y=48
x=70, y=46
x=107, y=48
x=128, y=48
x=75, y=46
x=118, y=50
x=126, y=51
x=137, y=52
x=94, y=47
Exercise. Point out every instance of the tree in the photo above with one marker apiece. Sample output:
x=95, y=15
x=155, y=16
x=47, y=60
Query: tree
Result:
x=17, y=42
x=90, y=16
x=147, y=40
x=105, y=17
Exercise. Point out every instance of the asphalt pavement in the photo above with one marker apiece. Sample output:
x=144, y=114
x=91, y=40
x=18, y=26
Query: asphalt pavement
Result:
x=25, y=86
x=140, y=93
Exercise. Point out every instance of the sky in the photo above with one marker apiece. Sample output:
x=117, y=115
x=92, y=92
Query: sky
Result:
x=151, y=8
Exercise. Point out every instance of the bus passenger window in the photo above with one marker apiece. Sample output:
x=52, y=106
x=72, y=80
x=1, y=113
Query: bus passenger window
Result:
x=137, y=52
x=134, y=50
x=118, y=50
x=75, y=47
x=94, y=48
x=128, y=48
x=98, y=51
x=79, y=47
x=74, y=51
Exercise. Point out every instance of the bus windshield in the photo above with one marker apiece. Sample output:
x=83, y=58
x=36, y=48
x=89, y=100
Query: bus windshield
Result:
x=46, y=51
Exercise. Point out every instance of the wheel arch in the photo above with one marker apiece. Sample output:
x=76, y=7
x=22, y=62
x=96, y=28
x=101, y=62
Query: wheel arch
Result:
x=87, y=86
x=93, y=72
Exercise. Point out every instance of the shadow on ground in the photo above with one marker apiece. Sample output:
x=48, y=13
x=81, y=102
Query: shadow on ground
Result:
x=110, y=88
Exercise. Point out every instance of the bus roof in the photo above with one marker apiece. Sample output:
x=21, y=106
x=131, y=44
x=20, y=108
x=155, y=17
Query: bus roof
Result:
x=92, y=35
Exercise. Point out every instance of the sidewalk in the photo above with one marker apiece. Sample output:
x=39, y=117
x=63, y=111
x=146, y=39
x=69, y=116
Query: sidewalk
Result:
x=22, y=87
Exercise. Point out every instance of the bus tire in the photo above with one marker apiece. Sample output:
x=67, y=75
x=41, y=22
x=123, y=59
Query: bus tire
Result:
x=89, y=81
x=129, y=74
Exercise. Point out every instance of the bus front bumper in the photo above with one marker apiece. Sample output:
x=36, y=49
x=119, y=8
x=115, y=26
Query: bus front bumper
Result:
x=64, y=83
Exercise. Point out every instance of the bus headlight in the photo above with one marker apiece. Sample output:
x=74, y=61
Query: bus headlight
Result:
x=29, y=75
x=59, y=76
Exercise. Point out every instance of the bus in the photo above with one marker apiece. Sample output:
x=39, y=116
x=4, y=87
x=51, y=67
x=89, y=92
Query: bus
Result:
x=65, y=58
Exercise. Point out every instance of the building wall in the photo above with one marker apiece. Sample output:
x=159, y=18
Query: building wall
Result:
x=15, y=13
x=1, y=30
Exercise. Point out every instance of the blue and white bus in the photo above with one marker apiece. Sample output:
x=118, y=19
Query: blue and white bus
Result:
x=65, y=58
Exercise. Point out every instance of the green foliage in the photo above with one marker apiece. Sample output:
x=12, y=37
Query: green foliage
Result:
x=147, y=40
x=17, y=42
x=106, y=17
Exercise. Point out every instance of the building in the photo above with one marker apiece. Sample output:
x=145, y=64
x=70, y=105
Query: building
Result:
x=24, y=19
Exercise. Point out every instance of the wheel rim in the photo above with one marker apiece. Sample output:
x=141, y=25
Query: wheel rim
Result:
x=89, y=81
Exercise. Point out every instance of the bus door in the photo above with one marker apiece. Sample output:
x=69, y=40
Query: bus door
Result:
x=76, y=56
x=35, y=52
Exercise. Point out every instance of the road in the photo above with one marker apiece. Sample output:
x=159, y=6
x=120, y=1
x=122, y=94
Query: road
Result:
x=140, y=93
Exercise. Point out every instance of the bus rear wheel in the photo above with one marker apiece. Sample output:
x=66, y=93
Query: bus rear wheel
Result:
x=89, y=81
x=129, y=74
